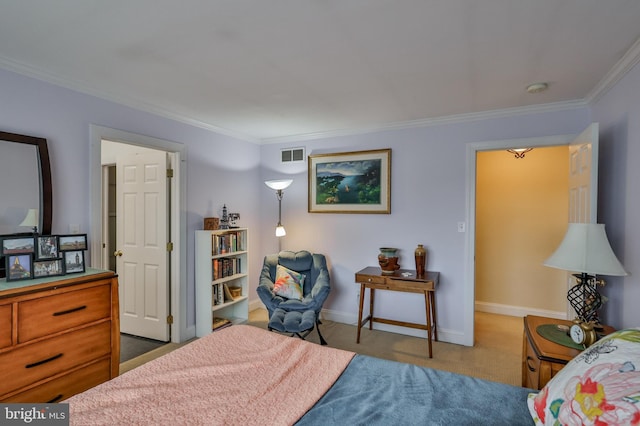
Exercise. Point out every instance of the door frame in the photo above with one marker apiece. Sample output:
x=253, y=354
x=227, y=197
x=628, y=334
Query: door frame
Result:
x=470, y=246
x=178, y=257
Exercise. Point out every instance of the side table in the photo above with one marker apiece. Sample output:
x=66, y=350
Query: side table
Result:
x=403, y=280
x=541, y=358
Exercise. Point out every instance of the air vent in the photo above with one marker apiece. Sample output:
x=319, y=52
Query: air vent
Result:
x=291, y=155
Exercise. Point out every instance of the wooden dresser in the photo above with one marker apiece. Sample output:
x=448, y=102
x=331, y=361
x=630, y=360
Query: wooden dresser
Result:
x=58, y=336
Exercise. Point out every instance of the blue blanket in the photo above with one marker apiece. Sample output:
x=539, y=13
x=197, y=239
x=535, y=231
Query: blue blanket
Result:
x=373, y=391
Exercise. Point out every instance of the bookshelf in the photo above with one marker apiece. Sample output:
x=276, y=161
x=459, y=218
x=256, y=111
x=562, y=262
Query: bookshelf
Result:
x=221, y=268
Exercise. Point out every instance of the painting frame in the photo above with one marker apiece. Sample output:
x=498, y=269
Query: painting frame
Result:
x=48, y=268
x=73, y=261
x=47, y=247
x=25, y=261
x=328, y=175
x=72, y=242
x=18, y=244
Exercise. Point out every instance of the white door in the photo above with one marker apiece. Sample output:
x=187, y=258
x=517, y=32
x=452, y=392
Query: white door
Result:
x=583, y=185
x=141, y=243
x=583, y=176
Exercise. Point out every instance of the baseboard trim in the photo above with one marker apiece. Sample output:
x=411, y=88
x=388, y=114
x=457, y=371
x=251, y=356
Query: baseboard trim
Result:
x=517, y=311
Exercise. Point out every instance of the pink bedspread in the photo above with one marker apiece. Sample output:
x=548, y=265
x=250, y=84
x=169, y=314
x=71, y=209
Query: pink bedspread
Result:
x=241, y=375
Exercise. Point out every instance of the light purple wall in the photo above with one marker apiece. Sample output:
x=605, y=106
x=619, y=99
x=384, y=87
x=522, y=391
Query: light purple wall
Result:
x=618, y=113
x=221, y=169
x=428, y=199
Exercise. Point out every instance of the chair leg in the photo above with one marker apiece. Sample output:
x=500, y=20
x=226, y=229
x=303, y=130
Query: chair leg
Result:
x=322, y=341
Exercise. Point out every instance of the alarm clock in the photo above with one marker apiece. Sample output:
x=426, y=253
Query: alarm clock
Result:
x=583, y=333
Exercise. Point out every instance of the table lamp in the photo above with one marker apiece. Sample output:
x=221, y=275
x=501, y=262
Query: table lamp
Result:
x=31, y=220
x=585, y=249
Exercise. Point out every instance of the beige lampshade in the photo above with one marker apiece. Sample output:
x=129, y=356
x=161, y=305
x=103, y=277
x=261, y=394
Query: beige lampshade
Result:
x=278, y=184
x=585, y=248
x=31, y=219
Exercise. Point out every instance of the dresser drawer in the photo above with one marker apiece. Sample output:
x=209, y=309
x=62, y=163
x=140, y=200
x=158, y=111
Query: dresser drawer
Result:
x=370, y=279
x=6, y=325
x=51, y=314
x=532, y=366
x=59, y=389
x=31, y=363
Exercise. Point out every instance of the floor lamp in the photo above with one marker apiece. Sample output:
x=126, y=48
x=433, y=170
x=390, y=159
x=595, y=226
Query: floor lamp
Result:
x=279, y=186
x=585, y=249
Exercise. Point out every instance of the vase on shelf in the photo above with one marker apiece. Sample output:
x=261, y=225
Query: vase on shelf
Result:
x=421, y=260
x=388, y=260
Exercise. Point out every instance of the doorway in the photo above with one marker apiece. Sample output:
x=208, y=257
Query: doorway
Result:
x=586, y=188
x=177, y=293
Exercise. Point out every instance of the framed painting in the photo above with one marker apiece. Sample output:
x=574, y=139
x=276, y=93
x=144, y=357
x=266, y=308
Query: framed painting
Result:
x=47, y=246
x=350, y=182
x=19, y=267
x=48, y=268
x=72, y=242
x=18, y=244
x=73, y=262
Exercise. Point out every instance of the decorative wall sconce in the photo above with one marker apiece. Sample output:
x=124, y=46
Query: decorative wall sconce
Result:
x=519, y=152
x=279, y=186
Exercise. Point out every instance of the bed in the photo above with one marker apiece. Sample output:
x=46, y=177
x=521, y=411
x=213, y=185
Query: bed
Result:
x=244, y=375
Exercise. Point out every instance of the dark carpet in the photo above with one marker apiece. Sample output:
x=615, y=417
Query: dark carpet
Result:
x=134, y=346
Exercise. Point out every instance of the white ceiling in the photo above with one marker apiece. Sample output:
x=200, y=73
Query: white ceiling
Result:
x=275, y=70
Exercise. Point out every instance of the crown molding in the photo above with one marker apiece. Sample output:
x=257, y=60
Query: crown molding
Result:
x=436, y=121
x=622, y=67
x=81, y=87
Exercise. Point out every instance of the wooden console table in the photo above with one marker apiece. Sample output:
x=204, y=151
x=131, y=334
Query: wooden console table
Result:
x=404, y=280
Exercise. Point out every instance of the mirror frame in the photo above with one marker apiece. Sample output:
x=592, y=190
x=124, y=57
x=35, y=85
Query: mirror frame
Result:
x=46, y=207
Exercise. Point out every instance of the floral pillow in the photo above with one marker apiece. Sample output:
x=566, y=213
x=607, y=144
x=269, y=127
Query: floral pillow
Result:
x=600, y=386
x=288, y=284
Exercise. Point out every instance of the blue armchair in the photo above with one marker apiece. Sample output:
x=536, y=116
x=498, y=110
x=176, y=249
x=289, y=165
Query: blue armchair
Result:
x=317, y=285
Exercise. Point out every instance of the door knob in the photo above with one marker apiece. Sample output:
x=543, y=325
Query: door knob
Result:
x=117, y=253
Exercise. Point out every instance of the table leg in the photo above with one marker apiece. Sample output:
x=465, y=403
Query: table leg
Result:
x=427, y=305
x=434, y=321
x=360, y=311
x=371, y=296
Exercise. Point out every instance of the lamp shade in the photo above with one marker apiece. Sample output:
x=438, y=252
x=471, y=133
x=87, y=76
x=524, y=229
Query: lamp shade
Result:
x=280, y=231
x=278, y=184
x=585, y=248
x=31, y=219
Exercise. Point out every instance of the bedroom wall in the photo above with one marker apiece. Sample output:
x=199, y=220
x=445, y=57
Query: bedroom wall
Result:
x=221, y=169
x=618, y=113
x=428, y=200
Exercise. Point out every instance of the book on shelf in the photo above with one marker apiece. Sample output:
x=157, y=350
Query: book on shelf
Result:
x=225, y=267
x=219, y=322
x=226, y=243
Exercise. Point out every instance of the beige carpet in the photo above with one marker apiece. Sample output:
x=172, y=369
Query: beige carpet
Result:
x=496, y=356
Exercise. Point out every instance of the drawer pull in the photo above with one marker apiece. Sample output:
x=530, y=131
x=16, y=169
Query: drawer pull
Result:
x=69, y=311
x=532, y=369
x=56, y=399
x=44, y=361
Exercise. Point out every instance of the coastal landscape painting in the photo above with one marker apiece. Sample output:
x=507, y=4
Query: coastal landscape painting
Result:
x=352, y=182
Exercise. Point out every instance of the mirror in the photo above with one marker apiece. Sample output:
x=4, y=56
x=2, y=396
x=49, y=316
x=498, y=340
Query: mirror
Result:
x=25, y=183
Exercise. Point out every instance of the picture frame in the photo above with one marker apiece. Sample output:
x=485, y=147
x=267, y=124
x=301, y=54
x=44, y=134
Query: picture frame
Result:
x=73, y=261
x=72, y=242
x=18, y=245
x=350, y=182
x=19, y=266
x=47, y=247
x=48, y=268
